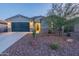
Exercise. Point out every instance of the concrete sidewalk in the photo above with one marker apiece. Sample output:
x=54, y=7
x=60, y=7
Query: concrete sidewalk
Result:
x=9, y=38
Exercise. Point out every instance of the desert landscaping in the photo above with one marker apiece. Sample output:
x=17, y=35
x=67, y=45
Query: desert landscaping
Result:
x=41, y=46
x=53, y=33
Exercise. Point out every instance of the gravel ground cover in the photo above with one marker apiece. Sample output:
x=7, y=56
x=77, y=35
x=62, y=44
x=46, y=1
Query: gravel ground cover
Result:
x=27, y=46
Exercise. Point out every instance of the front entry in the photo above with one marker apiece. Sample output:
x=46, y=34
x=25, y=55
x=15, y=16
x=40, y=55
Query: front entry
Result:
x=37, y=27
x=20, y=27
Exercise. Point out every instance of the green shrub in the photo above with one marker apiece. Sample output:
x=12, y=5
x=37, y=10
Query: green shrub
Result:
x=54, y=46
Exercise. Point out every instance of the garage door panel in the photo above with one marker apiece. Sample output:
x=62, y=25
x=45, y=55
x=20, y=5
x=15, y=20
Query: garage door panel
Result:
x=20, y=26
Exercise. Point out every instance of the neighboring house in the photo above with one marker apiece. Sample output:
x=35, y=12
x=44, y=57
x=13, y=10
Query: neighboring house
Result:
x=3, y=26
x=20, y=23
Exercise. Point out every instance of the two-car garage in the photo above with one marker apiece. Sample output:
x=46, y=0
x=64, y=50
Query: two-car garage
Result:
x=20, y=26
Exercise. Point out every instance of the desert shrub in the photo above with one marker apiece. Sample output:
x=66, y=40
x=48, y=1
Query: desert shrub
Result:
x=54, y=46
x=49, y=31
x=34, y=34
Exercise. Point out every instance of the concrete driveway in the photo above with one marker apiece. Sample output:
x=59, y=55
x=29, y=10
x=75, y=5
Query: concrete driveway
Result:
x=9, y=38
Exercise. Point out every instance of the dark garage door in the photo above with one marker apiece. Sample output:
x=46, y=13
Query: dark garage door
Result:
x=20, y=27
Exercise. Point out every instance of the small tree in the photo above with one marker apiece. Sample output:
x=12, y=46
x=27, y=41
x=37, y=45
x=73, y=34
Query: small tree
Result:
x=63, y=15
x=57, y=21
x=49, y=24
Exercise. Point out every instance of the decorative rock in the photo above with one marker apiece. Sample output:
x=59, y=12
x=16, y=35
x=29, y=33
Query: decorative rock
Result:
x=69, y=40
x=40, y=47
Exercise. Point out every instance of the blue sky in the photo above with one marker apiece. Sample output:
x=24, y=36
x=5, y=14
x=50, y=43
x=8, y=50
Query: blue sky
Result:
x=26, y=9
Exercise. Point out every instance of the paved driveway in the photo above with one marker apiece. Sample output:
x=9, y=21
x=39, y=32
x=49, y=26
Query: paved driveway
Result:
x=9, y=38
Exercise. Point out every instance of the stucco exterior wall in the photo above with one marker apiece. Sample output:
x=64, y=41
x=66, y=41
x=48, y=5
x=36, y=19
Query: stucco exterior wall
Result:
x=3, y=28
x=44, y=26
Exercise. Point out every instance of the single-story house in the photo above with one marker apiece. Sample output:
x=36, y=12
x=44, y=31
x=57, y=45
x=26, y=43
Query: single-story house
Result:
x=3, y=26
x=20, y=23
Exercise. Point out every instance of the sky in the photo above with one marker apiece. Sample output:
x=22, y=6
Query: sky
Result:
x=27, y=9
